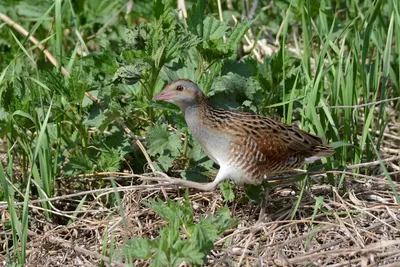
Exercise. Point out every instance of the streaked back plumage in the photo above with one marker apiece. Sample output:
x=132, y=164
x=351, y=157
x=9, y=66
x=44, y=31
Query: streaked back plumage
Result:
x=246, y=146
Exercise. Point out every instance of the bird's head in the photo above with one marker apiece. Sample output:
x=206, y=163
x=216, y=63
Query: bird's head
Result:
x=183, y=93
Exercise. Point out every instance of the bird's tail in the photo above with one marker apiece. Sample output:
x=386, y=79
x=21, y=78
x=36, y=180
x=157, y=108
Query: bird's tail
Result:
x=320, y=152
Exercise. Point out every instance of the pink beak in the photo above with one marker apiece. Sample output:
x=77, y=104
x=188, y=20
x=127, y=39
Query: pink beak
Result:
x=162, y=96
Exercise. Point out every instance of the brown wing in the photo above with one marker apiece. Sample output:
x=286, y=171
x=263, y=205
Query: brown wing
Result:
x=280, y=141
x=261, y=139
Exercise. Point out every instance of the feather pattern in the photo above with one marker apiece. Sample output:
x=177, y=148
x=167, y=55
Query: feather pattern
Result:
x=246, y=146
x=262, y=145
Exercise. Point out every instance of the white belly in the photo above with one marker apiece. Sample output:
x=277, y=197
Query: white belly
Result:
x=216, y=148
x=235, y=174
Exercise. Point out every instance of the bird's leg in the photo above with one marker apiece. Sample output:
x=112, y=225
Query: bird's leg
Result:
x=264, y=199
x=190, y=184
x=199, y=186
x=168, y=181
x=204, y=186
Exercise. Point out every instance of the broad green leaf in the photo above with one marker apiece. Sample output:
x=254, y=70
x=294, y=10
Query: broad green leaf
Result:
x=81, y=162
x=23, y=114
x=130, y=74
x=254, y=192
x=95, y=118
x=226, y=190
x=213, y=28
x=164, y=163
x=109, y=161
x=140, y=248
x=229, y=84
x=32, y=9
x=158, y=140
x=237, y=33
x=161, y=141
x=190, y=253
x=196, y=17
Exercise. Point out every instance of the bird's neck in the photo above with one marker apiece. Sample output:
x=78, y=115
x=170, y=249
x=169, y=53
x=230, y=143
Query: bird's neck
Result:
x=192, y=113
x=195, y=115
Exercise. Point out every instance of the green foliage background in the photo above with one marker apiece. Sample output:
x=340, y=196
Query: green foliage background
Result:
x=329, y=53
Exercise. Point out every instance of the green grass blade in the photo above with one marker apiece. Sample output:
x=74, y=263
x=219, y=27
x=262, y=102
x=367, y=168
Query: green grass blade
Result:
x=23, y=48
x=15, y=222
x=38, y=23
x=77, y=210
x=58, y=26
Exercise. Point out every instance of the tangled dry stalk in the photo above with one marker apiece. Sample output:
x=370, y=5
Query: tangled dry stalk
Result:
x=357, y=226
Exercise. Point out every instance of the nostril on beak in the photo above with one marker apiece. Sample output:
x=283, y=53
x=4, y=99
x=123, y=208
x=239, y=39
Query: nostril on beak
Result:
x=163, y=96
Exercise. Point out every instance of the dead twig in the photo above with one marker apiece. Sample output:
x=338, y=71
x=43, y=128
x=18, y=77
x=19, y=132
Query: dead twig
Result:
x=69, y=245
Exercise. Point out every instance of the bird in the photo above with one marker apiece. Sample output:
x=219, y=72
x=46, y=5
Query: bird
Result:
x=247, y=147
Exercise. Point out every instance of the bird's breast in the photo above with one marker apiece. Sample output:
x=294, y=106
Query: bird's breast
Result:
x=214, y=143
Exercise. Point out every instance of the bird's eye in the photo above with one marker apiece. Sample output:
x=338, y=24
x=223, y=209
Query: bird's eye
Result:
x=179, y=88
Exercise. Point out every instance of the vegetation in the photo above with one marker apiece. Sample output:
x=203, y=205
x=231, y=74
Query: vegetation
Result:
x=79, y=132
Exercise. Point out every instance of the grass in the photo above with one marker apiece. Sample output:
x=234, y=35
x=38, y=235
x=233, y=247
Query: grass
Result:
x=78, y=126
